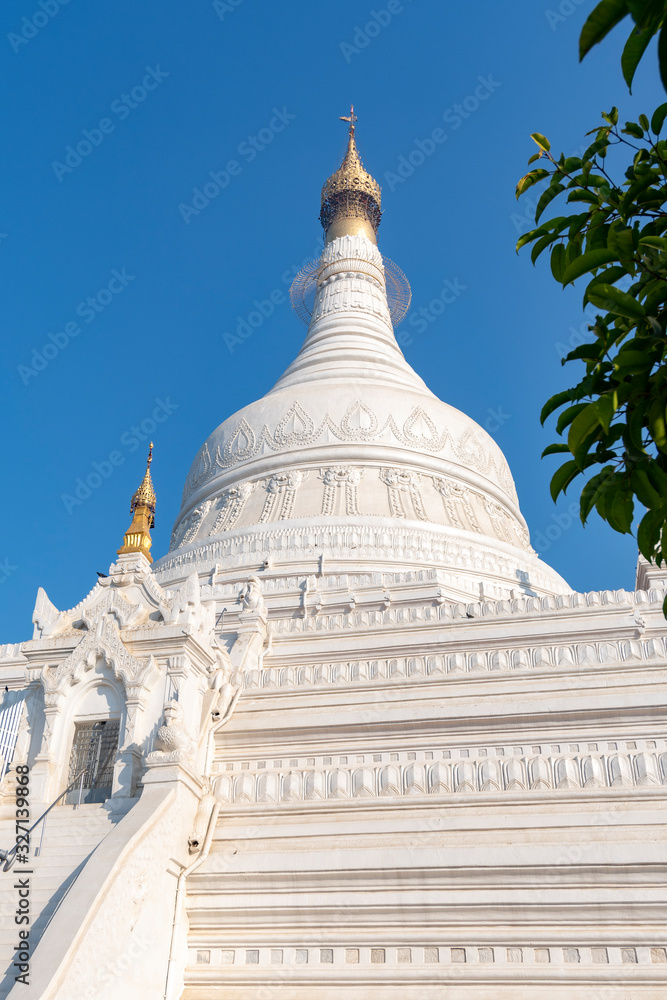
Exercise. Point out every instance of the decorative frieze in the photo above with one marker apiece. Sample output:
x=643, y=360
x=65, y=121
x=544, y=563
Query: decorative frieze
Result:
x=485, y=610
x=458, y=663
x=413, y=954
x=297, y=428
x=455, y=770
x=459, y=558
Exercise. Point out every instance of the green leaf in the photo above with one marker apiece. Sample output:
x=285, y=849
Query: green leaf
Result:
x=599, y=23
x=562, y=478
x=541, y=245
x=541, y=141
x=529, y=179
x=659, y=242
x=633, y=129
x=662, y=54
x=546, y=197
x=636, y=418
x=643, y=488
x=567, y=416
x=614, y=300
x=634, y=49
x=555, y=449
x=604, y=410
x=596, y=147
x=593, y=491
x=658, y=477
x=553, y=404
x=637, y=188
x=579, y=195
x=646, y=13
x=620, y=240
x=582, y=427
x=588, y=261
x=657, y=424
x=633, y=360
x=552, y=226
x=585, y=352
x=658, y=118
x=621, y=509
x=558, y=261
x=648, y=533
x=608, y=276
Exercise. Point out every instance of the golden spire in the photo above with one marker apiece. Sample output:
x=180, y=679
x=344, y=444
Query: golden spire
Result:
x=142, y=506
x=351, y=197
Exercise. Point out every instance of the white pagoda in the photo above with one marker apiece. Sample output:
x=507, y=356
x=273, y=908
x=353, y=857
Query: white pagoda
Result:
x=350, y=738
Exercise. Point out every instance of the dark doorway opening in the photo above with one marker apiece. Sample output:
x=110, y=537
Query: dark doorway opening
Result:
x=94, y=749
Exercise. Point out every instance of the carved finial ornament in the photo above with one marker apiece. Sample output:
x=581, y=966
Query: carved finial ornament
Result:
x=351, y=197
x=145, y=495
x=142, y=507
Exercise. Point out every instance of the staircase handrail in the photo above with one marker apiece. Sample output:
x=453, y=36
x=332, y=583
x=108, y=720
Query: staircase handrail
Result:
x=9, y=857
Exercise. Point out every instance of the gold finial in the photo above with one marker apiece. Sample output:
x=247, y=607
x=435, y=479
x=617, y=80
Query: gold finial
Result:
x=142, y=507
x=351, y=197
x=351, y=118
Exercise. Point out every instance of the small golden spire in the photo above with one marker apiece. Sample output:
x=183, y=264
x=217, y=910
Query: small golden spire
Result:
x=351, y=198
x=142, y=507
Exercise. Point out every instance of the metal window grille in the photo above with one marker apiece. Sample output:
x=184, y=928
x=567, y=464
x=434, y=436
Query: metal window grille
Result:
x=11, y=712
x=94, y=748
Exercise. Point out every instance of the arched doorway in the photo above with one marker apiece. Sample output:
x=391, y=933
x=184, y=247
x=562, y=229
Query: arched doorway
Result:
x=94, y=746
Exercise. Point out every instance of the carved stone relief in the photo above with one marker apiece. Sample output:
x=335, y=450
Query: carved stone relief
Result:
x=457, y=503
x=341, y=481
x=296, y=428
x=186, y=531
x=404, y=489
x=280, y=496
x=231, y=507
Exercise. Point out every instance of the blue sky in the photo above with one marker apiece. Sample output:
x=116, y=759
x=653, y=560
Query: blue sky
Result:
x=170, y=92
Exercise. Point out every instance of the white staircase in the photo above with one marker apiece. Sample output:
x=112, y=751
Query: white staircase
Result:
x=70, y=837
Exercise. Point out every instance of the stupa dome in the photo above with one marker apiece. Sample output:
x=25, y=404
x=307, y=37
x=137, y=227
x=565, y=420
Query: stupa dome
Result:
x=351, y=459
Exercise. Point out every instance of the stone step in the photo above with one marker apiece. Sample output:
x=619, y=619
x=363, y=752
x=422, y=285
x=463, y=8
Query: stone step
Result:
x=70, y=837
